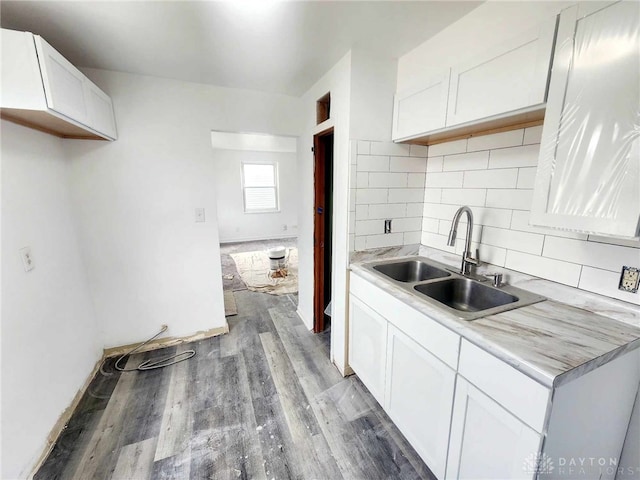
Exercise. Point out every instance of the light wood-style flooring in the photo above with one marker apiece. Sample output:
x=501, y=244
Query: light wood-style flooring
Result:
x=262, y=402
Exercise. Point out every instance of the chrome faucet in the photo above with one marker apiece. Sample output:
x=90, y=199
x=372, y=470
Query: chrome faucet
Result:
x=467, y=259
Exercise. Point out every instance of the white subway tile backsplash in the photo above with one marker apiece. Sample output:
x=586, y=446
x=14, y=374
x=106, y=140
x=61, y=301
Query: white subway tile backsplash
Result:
x=353, y=177
x=390, y=148
x=384, y=240
x=369, y=227
x=352, y=201
x=510, y=198
x=362, y=179
x=406, y=195
x=474, y=197
x=406, y=224
x=502, y=178
x=373, y=163
x=411, y=238
x=513, y=240
x=526, y=177
x=418, y=151
x=371, y=195
x=466, y=161
x=445, y=179
x=387, y=211
x=532, y=135
x=433, y=195
x=360, y=243
x=436, y=241
x=448, y=148
x=407, y=164
x=605, y=282
x=362, y=212
x=615, y=241
x=493, y=255
x=440, y=211
x=364, y=147
x=526, y=156
x=599, y=255
x=387, y=180
x=520, y=221
x=434, y=164
x=496, y=140
x=415, y=209
x=431, y=225
x=493, y=217
x=555, y=270
x=461, y=233
x=416, y=180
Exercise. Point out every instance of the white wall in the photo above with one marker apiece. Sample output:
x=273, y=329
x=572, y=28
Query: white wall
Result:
x=148, y=262
x=234, y=224
x=50, y=341
x=487, y=25
x=494, y=175
x=337, y=81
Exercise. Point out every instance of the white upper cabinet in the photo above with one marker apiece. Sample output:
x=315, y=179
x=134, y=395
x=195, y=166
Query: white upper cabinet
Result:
x=43, y=90
x=505, y=86
x=421, y=110
x=589, y=167
x=511, y=76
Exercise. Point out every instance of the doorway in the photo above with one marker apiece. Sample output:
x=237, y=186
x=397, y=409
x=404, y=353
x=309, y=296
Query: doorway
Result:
x=322, y=234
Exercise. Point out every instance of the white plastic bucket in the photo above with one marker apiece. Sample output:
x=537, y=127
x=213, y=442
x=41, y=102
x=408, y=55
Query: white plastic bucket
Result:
x=277, y=257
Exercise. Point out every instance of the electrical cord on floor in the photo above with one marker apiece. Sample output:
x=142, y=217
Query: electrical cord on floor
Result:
x=149, y=364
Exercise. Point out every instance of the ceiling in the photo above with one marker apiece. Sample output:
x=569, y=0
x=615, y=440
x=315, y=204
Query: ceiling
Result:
x=272, y=46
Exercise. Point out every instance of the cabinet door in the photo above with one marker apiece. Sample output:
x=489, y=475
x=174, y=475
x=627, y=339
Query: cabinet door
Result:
x=488, y=442
x=421, y=110
x=589, y=164
x=63, y=83
x=368, y=346
x=511, y=76
x=419, y=398
x=100, y=110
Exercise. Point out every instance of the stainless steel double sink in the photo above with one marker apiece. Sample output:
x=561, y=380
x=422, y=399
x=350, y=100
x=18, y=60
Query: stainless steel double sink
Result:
x=466, y=297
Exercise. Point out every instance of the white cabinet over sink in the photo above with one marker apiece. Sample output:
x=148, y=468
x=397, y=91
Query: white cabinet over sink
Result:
x=504, y=86
x=43, y=90
x=588, y=176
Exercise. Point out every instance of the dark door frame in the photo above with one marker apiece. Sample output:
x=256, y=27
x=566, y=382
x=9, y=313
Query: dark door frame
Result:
x=319, y=230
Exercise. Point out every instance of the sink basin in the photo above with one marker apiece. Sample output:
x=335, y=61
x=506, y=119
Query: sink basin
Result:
x=465, y=294
x=411, y=271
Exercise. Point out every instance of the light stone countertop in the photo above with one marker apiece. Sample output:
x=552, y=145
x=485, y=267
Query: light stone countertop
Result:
x=551, y=341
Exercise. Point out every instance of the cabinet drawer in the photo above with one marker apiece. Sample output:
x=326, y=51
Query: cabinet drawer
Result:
x=438, y=340
x=521, y=395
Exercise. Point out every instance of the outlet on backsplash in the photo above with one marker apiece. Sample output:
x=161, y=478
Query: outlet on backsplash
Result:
x=387, y=226
x=629, y=279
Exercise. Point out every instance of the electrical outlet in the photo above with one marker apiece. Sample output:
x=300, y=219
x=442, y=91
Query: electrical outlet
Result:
x=200, y=215
x=387, y=226
x=27, y=259
x=629, y=279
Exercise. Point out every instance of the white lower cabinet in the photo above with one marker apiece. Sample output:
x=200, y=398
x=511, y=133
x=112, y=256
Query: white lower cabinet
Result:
x=419, y=398
x=368, y=346
x=488, y=442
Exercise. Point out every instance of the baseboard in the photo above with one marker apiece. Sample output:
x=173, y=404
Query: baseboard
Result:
x=304, y=320
x=255, y=239
x=111, y=352
x=166, y=341
x=64, y=418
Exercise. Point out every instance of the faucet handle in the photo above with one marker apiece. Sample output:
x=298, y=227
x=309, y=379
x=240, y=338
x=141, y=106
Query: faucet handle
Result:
x=497, y=278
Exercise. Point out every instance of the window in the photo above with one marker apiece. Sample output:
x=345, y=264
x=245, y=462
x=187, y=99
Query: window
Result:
x=260, y=187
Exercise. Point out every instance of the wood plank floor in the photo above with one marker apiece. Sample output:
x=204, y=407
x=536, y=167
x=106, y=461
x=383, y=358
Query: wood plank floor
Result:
x=262, y=402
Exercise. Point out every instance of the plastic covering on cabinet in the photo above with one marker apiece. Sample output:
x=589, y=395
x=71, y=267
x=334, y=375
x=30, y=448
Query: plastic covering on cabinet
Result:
x=592, y=159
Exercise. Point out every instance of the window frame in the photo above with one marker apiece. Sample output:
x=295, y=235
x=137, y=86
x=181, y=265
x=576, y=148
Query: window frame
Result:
x=276, y=186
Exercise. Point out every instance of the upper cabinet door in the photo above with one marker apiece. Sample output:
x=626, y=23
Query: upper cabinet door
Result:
x=510, y=76
x=589, y=168
x=63, y=83
x=421, y=110
x=100, y=110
